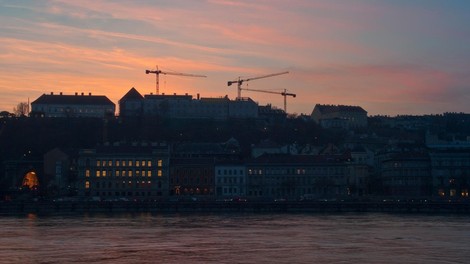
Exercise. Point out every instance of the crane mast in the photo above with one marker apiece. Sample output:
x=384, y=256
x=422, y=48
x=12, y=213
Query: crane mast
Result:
x=157, y=72
x=240, y=81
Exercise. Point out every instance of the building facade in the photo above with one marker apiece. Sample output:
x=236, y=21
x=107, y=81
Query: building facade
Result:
x=273, y=176
x=230, y=180
x=339, y=116
x=185, y=106
x=59, y=105
x=404, y=174
x=192, y=177
x=132, y=171
x=450, y=170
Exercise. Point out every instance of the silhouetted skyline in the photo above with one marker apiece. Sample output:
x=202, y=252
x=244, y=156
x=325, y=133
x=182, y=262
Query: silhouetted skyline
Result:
x=390, y=57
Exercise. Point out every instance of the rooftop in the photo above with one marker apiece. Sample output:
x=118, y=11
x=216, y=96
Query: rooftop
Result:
x=73, y=99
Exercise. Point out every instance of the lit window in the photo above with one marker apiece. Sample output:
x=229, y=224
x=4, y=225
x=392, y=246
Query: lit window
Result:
x=103, y=173
x=118, y=173
x=110, y=163
x=143, y=163
x=137, y=173
x=98, y=163
x=129, y=173
x=137, y=163
x=149, y=173
x=124, y=163
x=98, y=173
x=160, y=163
x=130, y=163
x=149, y=163
x=117, y=163
x=159, y=173
x=464, y=193
x=144, y=173
x=452, y=192
x=87, y=185
x=123, y=173
x=87, y=173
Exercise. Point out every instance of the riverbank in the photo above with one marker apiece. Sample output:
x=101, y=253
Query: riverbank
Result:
x=52, y=207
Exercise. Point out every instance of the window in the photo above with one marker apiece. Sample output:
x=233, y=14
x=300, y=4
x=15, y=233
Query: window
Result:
x=98, y=173
x=124, y=163
x=98, y=163
x=110, y=163
x=149, y=173
x=129, y=173
x=103, y=173
x=159, y=173
x=87, y=185
x=130, y=163
x=87, y=173
x=160, y=163
x=118, y=173
x=118, y=163
x=137, y=163
x=149, y=163
x=144, y=173
x=144, y=163
x=123, y=173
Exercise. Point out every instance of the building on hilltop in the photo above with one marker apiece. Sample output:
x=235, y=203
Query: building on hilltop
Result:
x=131, y=104
x=339, y=116
x=185, y=106
x=59, y=105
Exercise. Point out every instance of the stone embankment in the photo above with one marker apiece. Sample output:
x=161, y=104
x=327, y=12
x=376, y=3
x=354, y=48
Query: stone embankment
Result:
x=65, y=207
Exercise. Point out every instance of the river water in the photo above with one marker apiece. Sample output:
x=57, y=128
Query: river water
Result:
x=235, y=238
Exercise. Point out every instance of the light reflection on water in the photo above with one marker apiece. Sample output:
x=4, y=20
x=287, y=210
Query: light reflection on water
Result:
x=235, y=238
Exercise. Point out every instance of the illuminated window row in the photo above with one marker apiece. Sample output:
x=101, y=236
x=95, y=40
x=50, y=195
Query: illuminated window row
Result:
x=124, y=173
x=127, y=163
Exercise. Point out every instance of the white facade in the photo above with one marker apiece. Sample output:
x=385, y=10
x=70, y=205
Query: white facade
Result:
x=230, y=180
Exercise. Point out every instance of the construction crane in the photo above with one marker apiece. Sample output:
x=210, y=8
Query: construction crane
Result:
x=157, y=72
x=284, y=93
x=241, y=81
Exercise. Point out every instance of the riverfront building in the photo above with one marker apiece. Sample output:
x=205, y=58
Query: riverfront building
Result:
x=230, y=180
x=295, y=176
x=133, y=171
x=60, y=105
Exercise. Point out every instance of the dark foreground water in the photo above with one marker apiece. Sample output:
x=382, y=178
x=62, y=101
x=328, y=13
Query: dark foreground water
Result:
x=235, y=238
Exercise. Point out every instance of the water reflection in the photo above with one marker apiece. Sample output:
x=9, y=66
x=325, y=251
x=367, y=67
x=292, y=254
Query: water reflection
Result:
x=233, y=238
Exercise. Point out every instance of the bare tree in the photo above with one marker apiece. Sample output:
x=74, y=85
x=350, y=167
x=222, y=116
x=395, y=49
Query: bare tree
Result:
x=21, y=109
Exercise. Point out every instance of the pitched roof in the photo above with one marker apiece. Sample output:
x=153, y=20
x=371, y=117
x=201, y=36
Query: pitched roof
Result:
x=339, y=108
x=132, y=94
x=73, y=99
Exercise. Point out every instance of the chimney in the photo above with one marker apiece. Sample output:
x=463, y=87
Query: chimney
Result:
x=82, y=94
x=60, y=93
x=89, y=94
x=76, y=94
x=198, y=96
x=52, y=93
x=174, y=93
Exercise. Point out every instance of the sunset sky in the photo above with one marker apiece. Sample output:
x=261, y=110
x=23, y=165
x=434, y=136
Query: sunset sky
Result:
x=390, y=57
